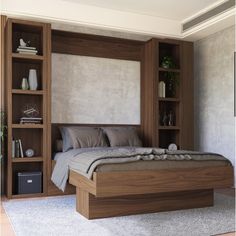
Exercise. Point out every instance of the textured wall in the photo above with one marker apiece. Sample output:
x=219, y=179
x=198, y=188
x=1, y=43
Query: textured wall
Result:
x=95, y=90
x=214, y=94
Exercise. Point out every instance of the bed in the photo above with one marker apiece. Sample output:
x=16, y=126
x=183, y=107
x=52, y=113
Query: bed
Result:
x=124, y=180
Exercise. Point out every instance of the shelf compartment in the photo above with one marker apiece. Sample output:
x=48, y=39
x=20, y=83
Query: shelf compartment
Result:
x=163, y=76
x=30, y=139
x=166, y=137
x=23, y=167
x=167, y=107
x=32, y=33
x=27, y=159
x=20, y=70
x=171, y=50
x=28, y=92
x=19, y=102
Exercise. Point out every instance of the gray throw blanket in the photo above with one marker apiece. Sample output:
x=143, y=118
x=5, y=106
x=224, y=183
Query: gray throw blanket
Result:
x=84, y=161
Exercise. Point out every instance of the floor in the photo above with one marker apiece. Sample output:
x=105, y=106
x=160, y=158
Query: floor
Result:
x=6, y=228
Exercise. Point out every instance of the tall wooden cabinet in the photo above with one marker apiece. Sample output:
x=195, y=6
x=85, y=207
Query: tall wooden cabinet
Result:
x=33, y=136
x=168, y=118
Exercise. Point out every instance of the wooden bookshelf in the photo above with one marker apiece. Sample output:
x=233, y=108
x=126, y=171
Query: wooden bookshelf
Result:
x=177, y=102
x=32, y=136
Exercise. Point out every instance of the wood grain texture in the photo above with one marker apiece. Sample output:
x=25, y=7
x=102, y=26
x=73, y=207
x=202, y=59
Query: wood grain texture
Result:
x=3, y=20
x=92, y=207
x=110, y=184
x=95, y=46
x=83, y=182
x=148, y=108
x=142, y=182
x=18, y=65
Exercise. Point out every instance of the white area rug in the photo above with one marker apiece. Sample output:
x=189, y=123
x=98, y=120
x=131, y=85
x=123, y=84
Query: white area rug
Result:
x=57, y=216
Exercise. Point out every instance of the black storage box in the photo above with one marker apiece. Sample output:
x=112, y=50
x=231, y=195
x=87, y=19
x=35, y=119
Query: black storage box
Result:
x=29, y=182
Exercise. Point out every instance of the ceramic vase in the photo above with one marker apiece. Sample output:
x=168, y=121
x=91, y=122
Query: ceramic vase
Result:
x=33, y=81
x=24, y=84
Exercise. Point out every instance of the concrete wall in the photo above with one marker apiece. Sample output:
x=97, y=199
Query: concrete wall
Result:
x=214, y=94
x=95, y=90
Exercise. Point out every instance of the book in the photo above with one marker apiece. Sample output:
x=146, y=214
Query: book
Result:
x=31, y=118
x=30, y=53
x=30, y=122
x=17, y=148
x=21, y=149
x=13, y=148
x=27, y=51
x=26, y=47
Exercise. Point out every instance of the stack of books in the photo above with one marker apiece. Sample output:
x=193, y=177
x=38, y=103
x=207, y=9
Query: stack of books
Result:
x=27, y=50
x=31, y=120
x=17, y=150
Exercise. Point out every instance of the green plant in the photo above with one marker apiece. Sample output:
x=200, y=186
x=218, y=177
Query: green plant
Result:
x=172, y=81
x=167, y=62
x=3, y=129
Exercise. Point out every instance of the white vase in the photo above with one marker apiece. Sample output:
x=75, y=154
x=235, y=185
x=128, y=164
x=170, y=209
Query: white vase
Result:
x=162, y=89
x=33, y=82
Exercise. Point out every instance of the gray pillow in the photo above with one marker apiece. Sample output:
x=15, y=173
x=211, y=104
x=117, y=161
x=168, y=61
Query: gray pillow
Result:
x=84, y=137
x=59, y=145
x=122, y=136
x=66, y=142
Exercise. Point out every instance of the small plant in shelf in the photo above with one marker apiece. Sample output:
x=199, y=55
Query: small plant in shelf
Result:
x=3, y=129
x=167, y=63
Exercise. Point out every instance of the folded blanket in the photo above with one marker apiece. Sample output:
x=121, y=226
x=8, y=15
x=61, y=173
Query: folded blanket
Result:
x=85, y=161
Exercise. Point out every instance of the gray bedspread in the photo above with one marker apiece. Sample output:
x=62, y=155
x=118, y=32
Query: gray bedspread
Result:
x=85, y=160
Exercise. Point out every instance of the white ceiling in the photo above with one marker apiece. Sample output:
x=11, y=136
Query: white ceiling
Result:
x=170, y=9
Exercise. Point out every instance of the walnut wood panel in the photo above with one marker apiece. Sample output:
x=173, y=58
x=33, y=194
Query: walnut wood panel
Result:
x=92, y=207
x=83, y=182
x=187, y=97
x=9, y=105
x=142, y=182
x=3, y=20
x=18, y=66
x=148, y=113
x=95, y=46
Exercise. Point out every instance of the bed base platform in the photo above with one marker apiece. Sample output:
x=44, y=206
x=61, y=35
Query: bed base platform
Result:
x=134, y=192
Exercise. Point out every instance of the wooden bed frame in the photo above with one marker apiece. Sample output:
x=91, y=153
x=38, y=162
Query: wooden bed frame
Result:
x=132, y=192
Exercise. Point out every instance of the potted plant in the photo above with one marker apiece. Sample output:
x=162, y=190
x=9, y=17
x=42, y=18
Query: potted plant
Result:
x=167, y=62
x=3, y=129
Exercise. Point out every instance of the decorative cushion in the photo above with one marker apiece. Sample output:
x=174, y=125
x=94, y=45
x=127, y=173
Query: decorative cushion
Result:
x=122, y=136
x=84, y=137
